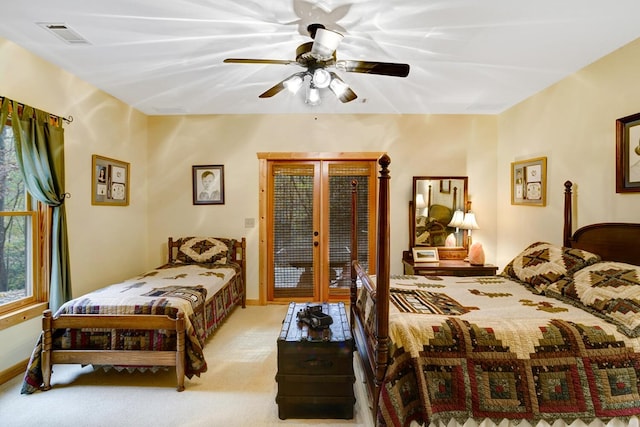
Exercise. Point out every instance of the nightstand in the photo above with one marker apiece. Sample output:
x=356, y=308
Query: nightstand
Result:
x=447, y=267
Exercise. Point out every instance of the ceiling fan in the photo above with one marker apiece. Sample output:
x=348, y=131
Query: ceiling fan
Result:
x=318, y=56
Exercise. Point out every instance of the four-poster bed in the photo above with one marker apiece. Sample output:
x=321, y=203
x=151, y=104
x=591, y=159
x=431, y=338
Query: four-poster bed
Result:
x=554, y=338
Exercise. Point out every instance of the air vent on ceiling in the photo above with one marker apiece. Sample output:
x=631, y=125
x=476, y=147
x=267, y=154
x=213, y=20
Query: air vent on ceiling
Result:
x=63, y=31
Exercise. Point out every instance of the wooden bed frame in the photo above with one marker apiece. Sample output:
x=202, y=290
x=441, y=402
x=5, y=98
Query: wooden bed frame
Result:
x=135, y=322
x=612, y=241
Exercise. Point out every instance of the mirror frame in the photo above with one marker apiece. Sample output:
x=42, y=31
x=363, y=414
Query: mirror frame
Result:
x=412, y=204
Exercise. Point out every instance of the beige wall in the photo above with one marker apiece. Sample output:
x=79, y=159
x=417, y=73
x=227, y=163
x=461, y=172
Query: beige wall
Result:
x=572, y=123
x=418, y=145
x=106, y=243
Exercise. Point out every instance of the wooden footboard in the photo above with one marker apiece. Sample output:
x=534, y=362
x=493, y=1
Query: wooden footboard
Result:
x=365, y=345
x=113, y=357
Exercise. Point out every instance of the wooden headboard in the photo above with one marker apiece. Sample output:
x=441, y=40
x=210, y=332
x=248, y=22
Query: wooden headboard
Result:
x=613, y=241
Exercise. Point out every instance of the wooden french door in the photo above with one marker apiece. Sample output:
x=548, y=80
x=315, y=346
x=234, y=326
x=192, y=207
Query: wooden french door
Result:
x=308, y=226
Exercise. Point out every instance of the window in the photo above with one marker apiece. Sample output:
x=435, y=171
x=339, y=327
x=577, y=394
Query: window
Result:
x=19, y=224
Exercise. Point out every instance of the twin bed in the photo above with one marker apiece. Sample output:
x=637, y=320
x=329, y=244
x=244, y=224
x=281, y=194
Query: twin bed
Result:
x=160, y=318
x=553, y=339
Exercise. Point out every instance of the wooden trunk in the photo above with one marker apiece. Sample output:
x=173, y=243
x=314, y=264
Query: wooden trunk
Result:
x=315, y=367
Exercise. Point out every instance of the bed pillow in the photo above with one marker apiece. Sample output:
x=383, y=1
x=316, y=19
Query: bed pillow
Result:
x=541, y=264
x=608, y=289
x=204, y=250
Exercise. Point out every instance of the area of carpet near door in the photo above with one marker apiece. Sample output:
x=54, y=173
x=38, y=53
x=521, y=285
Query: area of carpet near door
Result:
x=239, y=388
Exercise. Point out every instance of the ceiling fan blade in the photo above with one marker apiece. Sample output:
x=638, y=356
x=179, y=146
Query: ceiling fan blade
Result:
x=259, y=61
x=382, y=68
x=293, y=83
x=279, y=87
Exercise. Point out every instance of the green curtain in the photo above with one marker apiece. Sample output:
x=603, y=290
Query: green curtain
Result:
x=40, y=154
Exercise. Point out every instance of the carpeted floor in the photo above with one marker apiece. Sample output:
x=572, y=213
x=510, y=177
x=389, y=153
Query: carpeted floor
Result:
x=239, y=388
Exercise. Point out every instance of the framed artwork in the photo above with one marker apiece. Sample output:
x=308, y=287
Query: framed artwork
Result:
x=425, y=255
x=208, y=185
x=529, y=182
x=110, y=181
x=628, y=154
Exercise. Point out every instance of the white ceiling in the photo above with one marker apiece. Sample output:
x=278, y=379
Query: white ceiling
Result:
x=466, y=56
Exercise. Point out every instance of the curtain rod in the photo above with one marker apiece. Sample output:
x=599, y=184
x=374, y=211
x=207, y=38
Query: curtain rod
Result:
x=68, y=119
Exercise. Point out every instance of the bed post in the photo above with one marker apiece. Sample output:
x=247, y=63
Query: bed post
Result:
x=180, y=350
x=353, y=290
x=46, y=349
x=568, y=228
x=382, y=279
x=243, y=250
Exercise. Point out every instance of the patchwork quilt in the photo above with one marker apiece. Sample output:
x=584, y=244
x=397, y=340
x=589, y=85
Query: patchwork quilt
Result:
x=205, y=293
x=494, y=348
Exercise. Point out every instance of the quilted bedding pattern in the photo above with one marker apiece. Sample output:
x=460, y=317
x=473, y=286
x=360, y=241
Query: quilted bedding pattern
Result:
x=610, y=290
x=488, y=347
x=206, y=293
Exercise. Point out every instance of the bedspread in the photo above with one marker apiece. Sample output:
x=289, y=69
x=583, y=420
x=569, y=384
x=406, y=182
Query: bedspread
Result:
x=487, y=347
x=205, y=293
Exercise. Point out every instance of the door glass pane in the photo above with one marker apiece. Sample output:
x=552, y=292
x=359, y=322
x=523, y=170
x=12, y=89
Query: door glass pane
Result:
x=293, y=231
x=340, y=188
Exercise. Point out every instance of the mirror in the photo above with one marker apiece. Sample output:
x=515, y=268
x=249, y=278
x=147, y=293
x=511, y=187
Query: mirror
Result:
x=435, y=200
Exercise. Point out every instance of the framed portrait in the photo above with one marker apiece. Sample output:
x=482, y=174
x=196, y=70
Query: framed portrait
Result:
x=529, y=182
x=425, y=256
x=208, y=185
x=628, y=154
x=110, y=181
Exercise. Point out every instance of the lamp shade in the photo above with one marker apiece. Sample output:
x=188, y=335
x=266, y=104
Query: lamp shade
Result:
x=420, y=203
x=321, y=78
x=313, y=96
x=294, y=83
x=325, y=43
x=469, y=222
x=457, y=220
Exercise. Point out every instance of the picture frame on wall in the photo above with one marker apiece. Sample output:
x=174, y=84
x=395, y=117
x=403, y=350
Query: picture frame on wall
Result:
x=110, y=181
x=628, y=154
x=208, y=184
x=529, y=182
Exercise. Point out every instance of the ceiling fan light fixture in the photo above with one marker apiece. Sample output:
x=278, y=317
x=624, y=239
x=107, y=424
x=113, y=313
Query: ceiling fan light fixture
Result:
x=325, y=43
x=341, y=90
x=313, y=96
x=321, y=78
x=338, y=87
x=293, y=83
